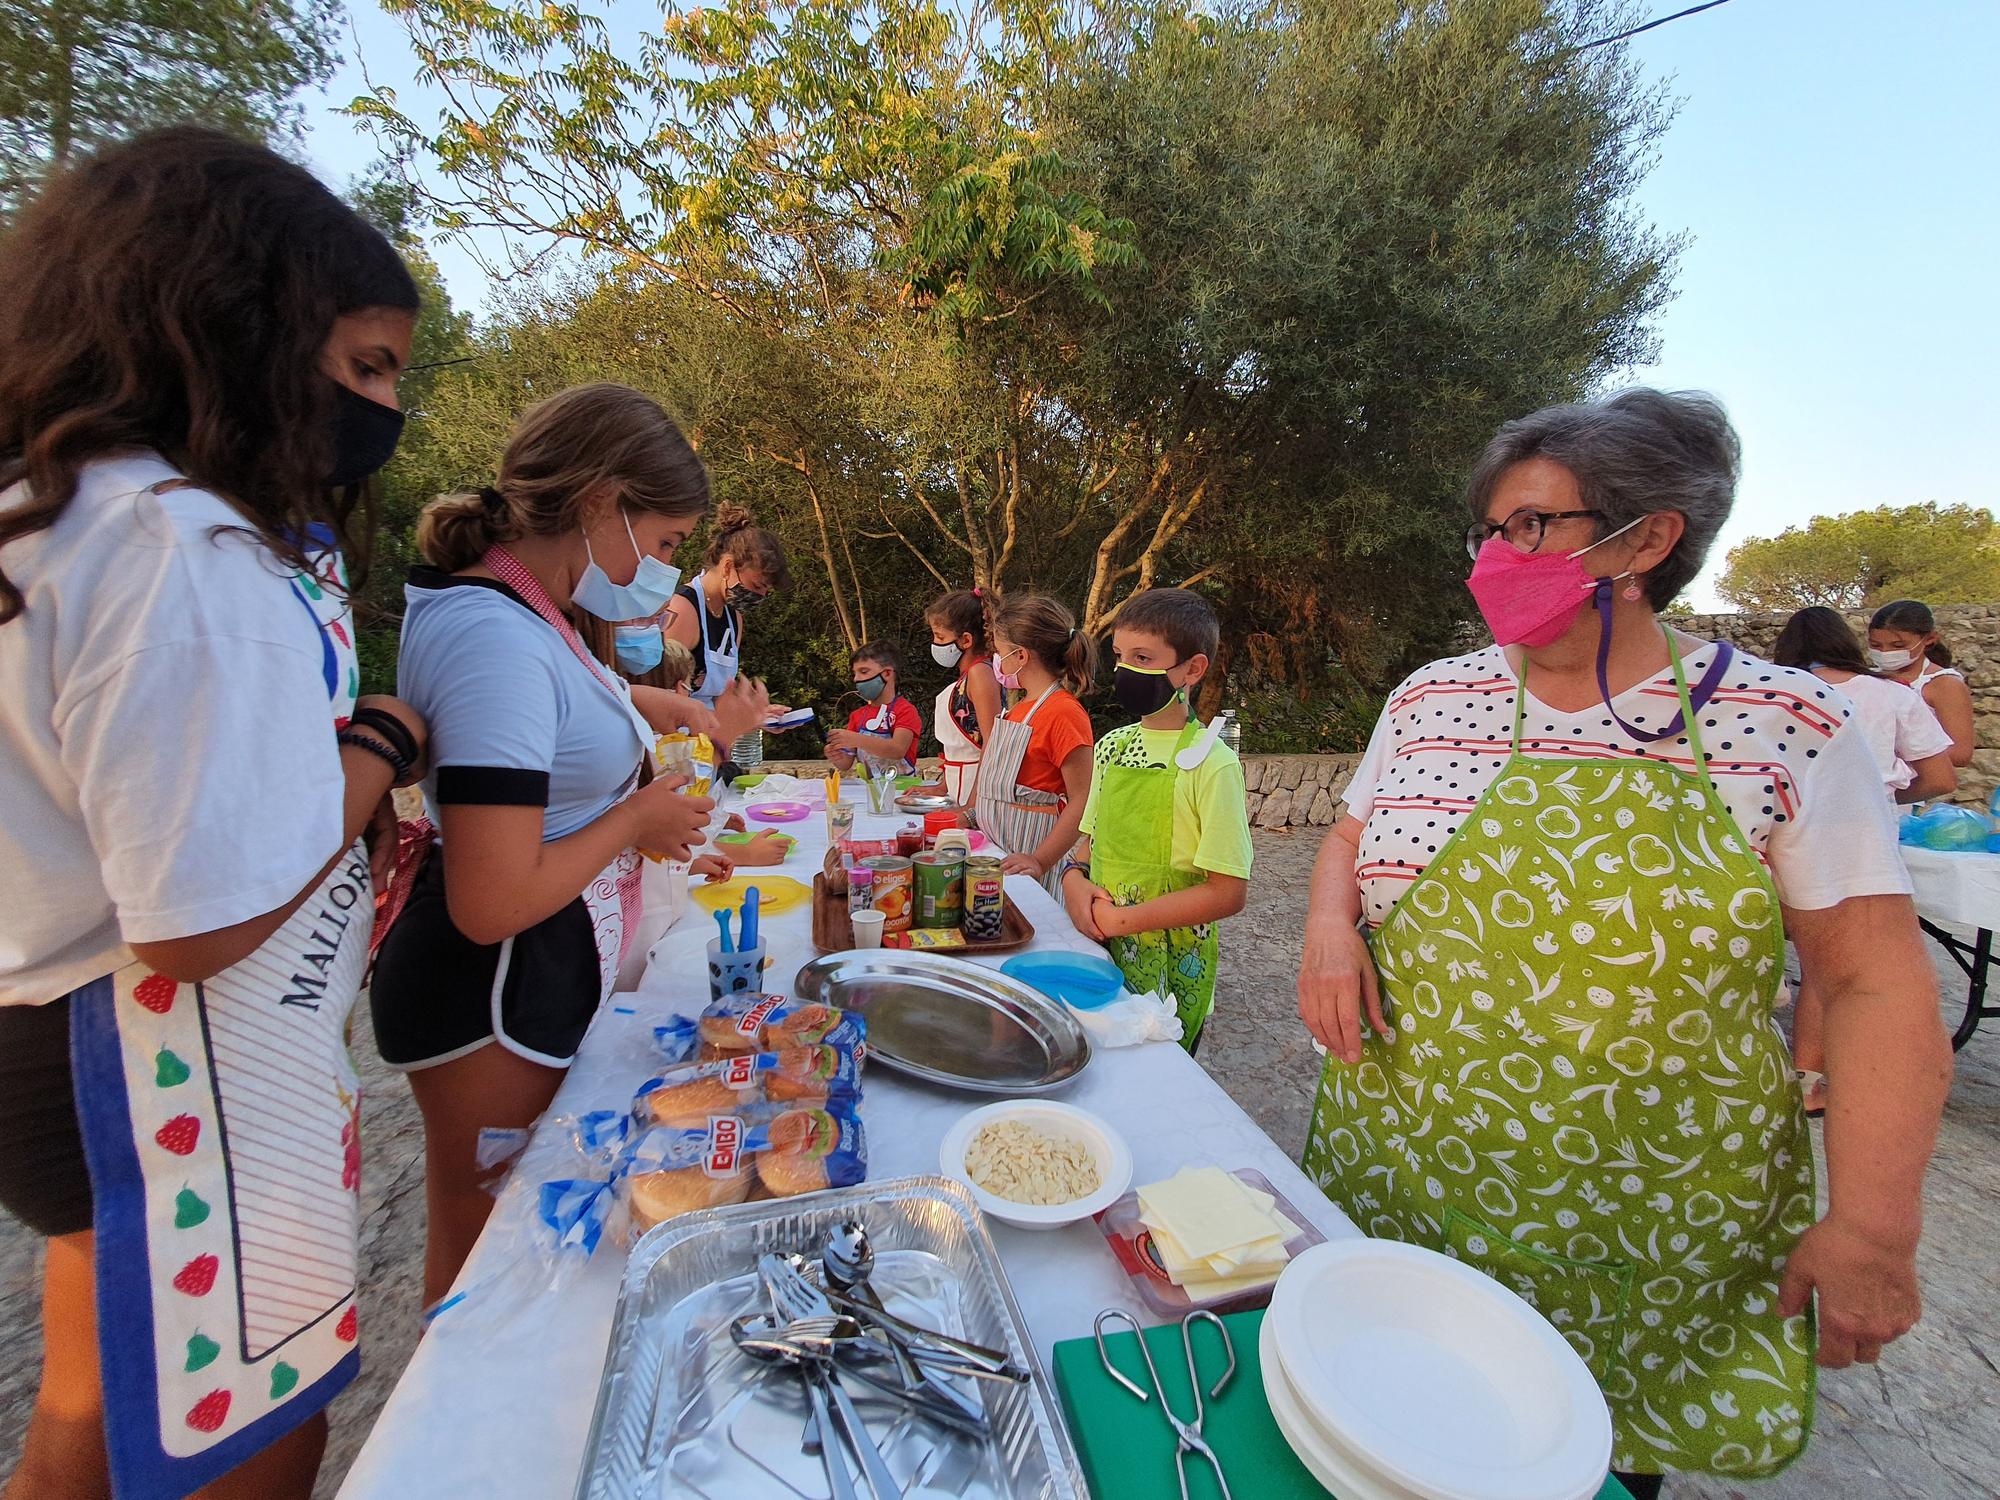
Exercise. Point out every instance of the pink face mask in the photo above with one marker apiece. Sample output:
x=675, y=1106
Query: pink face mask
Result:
x=1531, y=598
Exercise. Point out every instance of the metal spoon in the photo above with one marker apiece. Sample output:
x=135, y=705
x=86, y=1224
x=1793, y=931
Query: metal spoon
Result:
x=995, y=1360
x=849, y=1260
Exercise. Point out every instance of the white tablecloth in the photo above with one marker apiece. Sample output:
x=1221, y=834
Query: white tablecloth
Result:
x=497, y=1400
x=1957, y=888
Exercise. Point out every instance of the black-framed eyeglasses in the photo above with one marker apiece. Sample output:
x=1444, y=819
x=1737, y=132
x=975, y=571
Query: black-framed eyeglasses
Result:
x=1523, y=529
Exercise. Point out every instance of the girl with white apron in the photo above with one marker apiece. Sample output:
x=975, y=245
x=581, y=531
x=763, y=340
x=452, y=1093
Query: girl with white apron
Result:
x=717, y=661
x=221, y=1122
x=960, y=753
x=1016, y=817
x=1036, y=640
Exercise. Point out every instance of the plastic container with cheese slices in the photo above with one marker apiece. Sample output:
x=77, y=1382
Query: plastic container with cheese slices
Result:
x=1152, y=1261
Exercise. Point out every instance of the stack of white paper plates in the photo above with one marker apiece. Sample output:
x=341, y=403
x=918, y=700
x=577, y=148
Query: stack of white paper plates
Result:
x=1399, y=1374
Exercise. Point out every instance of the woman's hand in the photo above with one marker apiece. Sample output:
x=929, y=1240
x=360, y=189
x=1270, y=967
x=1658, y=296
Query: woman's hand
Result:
x=1022, y=864
x=1867, y=1290
x=411, y=721
x=1336, y=980
x=665, y=821
x=1080, y=897
x=744, y=705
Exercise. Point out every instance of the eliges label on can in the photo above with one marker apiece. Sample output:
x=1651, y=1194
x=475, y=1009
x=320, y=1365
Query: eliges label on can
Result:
x=892, y=894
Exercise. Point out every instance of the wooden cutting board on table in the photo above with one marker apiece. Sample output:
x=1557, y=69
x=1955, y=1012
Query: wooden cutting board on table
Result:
x=1127, y=1451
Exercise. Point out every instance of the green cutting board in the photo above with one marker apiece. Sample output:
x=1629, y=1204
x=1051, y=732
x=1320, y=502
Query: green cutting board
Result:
x=1128, y=1451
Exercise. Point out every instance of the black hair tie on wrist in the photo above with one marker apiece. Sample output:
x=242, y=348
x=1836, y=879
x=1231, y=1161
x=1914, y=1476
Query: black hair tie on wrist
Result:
x=390, y=728
x=398, y=762
x=492, y=499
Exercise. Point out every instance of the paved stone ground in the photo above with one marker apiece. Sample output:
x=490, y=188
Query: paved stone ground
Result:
x=1919, y=1426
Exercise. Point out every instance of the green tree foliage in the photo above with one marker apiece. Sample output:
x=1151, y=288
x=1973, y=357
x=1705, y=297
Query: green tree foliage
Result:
x=1942, y=554
x=76, y=72
x=1075, y=298
x=443, y=336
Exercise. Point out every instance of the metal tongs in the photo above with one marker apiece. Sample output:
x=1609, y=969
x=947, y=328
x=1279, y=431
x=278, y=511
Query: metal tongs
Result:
x=1187, y=1435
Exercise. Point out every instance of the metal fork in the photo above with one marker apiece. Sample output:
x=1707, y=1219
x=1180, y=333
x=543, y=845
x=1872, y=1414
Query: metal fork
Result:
x=799, y=1299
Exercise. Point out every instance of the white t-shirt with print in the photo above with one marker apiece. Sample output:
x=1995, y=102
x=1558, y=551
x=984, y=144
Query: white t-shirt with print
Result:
x=1786, y=757
x=167, y=756
x=1898, y=724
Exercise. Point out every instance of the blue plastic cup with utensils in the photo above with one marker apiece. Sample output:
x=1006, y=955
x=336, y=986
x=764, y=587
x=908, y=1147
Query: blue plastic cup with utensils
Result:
x=735, y=969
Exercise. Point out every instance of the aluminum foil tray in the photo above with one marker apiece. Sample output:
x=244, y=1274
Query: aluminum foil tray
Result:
x=683, y=1413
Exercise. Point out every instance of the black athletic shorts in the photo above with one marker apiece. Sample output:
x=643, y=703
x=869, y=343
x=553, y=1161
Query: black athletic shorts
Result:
x=44, y=1180
x=438, y=995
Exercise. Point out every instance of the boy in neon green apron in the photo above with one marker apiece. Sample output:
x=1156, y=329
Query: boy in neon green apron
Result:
x=1168, y=844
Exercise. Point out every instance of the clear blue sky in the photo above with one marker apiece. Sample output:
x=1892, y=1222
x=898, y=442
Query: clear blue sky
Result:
x=1834, y=163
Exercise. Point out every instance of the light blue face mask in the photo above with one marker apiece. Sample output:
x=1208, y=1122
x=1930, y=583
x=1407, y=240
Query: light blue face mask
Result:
x=639, y=648
x=653, y=583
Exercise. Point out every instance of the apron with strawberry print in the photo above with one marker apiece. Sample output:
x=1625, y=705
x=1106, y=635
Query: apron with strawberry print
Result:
x=1587, y=1098
x=220, y=1124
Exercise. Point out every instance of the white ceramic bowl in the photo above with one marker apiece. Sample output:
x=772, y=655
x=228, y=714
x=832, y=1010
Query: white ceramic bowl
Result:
x=1107, y=1148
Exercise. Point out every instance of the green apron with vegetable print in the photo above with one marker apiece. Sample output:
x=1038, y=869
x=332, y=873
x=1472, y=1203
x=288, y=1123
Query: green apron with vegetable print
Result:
x=1587, y=1098
x=1132, y=857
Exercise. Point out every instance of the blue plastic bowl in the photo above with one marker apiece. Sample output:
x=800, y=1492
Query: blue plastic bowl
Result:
x=1076, y=979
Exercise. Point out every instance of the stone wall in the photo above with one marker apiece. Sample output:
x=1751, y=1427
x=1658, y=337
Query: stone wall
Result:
x=1296, y=791
x=1971, y=631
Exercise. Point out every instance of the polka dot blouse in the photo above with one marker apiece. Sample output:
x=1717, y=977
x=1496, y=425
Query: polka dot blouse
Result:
x=1792, y=767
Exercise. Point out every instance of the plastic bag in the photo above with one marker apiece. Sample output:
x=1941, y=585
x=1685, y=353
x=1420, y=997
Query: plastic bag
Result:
x=819, y=1075
x=671, y=1170
x=1947, y=828
x=752, y=1022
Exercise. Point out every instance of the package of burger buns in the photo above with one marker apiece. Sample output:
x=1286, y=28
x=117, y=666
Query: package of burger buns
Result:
x=753, y=1022
x=674, y=1169
x=816, y=1075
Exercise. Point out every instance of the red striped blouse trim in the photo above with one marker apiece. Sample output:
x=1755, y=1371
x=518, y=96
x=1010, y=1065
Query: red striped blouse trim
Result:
x=1486, y=686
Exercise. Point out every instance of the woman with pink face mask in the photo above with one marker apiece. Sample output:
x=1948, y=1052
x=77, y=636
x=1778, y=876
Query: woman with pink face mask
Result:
x=1568, y=868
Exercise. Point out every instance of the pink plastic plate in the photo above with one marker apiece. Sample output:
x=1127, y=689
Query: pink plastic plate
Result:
x=777, y=812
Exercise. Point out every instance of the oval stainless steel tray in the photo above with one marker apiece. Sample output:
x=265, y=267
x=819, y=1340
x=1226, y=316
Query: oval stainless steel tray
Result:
x=950, y=1022
x=920, y=802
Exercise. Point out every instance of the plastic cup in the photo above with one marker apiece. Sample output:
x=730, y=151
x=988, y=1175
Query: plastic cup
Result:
x=867, y=927
x=732, y=973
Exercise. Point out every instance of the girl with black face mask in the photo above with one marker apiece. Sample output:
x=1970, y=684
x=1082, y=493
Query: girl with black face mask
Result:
x=744, y=566
x=199, y=347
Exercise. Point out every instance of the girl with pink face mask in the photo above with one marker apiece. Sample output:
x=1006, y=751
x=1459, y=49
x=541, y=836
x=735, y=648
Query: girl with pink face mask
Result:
x=1568, y=868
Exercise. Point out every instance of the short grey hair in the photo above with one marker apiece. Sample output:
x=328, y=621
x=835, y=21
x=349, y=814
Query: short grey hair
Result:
x=1633, y=455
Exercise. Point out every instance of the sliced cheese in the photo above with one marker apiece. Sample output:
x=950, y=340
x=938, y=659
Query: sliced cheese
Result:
x=1203, y=1290
x=1259, y=1255
x=1175, y=1260
x=1206, y=1211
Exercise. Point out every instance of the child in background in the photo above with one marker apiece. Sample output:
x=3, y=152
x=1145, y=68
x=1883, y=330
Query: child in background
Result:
x=1035, y=772
x=1169, y=849
x=887, y=726
x=969, y=704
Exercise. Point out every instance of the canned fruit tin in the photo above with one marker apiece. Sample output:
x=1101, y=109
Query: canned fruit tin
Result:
x=892, y=890
x=985, y=899
x=940, y=890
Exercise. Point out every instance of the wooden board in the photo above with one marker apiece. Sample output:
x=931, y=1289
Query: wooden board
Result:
x=833, y=933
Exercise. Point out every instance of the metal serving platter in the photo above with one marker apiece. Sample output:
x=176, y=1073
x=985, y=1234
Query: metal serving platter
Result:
x=950, y=1022
x=923, y=802
x=682, y=1413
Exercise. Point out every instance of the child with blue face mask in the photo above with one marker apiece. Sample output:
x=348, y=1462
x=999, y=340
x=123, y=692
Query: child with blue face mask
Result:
x=886, y=726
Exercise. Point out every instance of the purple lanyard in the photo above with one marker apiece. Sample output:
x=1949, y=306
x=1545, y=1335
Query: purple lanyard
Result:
x=1695, y=701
